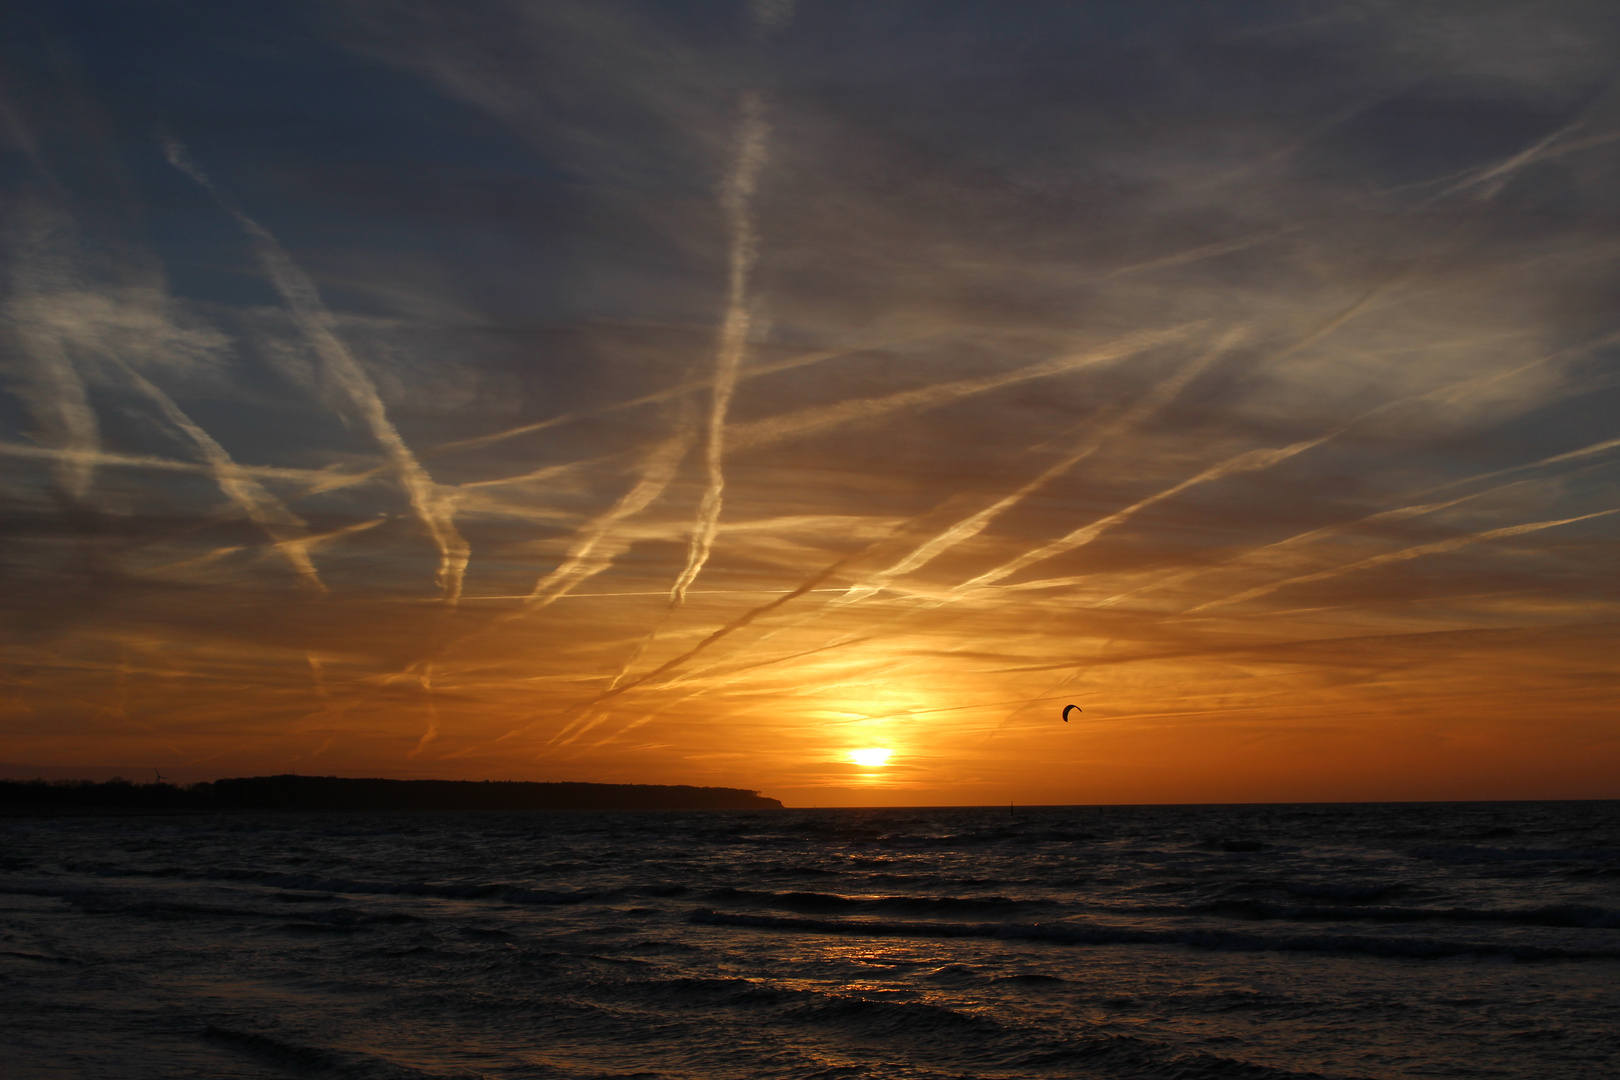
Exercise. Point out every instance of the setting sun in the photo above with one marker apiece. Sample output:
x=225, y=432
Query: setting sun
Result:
x=871, y=758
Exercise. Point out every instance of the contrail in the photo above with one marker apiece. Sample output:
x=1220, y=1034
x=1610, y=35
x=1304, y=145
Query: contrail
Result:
x=1249, y=461
x=809, y=421
x=974, y=524
x=198, y=560
x=1436, y=548
x=161, y=464
x=1557, y=459
x=736, y=200
x=594, y=718
x=317, y=678
x=600, y=541
x=54, y=390
x=134, y=461
x=1350, y=311
x=634, y=723
x=425, y=680
x=316, y=541
x=647, y=592
x=1245, y=462
x=547, y=472
x=303, y=301
x=1400, y=513
x=739, y=623
x=679, y=390
x=722, y=670
x=287, y=531
x=1191, y=255
x=732, y=627
x=1495, y=177
x=594, y=550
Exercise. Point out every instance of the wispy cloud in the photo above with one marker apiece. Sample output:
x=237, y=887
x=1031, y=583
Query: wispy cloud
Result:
x=737, y=198
x=806, y=422
x=740, y=374
x=974, y=524
x=349, y=378
x=599, y=541
x=1438, y=547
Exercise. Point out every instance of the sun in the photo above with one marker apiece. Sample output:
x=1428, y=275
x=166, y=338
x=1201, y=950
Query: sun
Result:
x=872, y=757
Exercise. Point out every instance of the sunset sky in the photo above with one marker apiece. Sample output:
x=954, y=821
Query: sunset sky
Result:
x=707, y=392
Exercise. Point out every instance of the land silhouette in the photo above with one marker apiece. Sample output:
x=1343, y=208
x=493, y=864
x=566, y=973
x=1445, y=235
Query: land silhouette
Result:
x=326, y=794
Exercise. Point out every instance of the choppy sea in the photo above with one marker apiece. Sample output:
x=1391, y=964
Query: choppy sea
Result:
x=1427, y=940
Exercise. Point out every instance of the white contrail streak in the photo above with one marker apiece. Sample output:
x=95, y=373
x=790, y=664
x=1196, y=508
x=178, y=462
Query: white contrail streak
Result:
x=653, y=592
x=974, y=524
x=62, y=412
x=1436, y=548
x=547, y=472
x=1245, y=462
x=1557, y=459
x=343, y=371
x=425, y=680
x=679, y=390
x=52, y=386
x=586, y=708
x=643, y=719
x=1191, y=255
x=1282, y=547
x=1495, y=177
x=597, y=543
x=810, y=421
x=286, y=530
x=1399, y=513
x=736, y=200
x=318, y=477
x=1248, y=461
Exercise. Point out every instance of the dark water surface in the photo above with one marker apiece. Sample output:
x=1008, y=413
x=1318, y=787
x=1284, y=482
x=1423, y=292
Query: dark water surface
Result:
x=1434, y=940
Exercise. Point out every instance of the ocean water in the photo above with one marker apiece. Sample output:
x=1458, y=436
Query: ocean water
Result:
x=1434, y=940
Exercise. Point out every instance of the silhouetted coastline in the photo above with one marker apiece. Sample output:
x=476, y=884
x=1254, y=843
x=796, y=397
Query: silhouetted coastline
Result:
x=336, y=793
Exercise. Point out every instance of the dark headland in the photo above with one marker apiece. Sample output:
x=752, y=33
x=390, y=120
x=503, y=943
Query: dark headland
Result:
x=337, y=793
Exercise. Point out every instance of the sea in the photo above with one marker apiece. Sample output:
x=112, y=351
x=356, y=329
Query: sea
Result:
x=1186, y=942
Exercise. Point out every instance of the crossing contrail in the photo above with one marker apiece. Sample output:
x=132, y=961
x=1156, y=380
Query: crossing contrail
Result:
x=773, y=429
x=1282, y=547
x=736, y=200
x=737, y=203
x=52, y=386
x=1591, y=450
x=753, y=371
x=742, y=621
x=1436, y=548
x=286, y=530
x=597, y=544
x=345, y=373
x=1248, y=461
x=974, y=524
